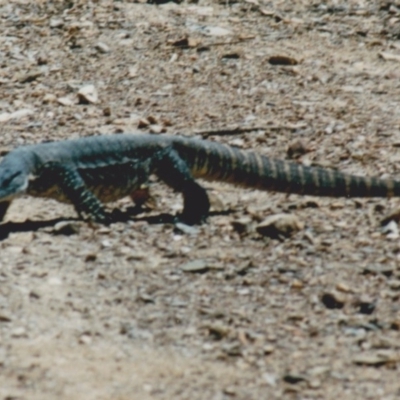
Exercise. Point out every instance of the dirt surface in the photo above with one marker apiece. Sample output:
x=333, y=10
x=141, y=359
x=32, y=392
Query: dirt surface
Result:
x=144, y=309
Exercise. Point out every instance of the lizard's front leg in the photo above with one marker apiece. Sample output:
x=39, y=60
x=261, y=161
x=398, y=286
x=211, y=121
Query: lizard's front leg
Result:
x=172, y=169
x=68, y=179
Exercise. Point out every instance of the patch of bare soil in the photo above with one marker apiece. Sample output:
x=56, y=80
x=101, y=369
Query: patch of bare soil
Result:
x=147, y=310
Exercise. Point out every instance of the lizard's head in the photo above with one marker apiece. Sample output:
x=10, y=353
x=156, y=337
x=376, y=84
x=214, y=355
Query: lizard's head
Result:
x=13, y=177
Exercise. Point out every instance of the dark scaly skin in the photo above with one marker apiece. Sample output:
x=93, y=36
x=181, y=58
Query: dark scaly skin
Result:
x=218, y=162
x=89, y=171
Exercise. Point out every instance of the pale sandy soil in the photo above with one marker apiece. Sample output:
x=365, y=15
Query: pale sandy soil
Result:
x=111, y=313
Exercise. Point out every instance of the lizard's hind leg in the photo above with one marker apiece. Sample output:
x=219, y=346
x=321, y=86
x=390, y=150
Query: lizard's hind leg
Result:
x=172, y=170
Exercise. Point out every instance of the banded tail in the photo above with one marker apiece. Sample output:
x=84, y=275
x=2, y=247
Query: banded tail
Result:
x=217, y=162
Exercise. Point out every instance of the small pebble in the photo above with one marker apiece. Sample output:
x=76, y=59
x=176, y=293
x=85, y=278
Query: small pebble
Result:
x=280, y=225
x=102, y=47
x=195, y=266
x=66, y=228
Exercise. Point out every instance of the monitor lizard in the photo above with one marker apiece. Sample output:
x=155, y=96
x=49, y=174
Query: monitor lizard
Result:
x=90, y=171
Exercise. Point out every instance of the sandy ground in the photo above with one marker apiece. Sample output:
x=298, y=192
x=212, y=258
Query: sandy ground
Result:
x=144, y=309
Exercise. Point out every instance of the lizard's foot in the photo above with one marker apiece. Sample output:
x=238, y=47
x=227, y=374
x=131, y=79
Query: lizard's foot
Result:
x=189, y=218
x=196, y=205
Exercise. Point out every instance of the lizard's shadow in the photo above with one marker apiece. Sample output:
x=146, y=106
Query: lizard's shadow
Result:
x=26, y=226
x=130, y=214
x=33, y=226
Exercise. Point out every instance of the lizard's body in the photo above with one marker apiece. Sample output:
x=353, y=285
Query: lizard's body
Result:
x=99, y=169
